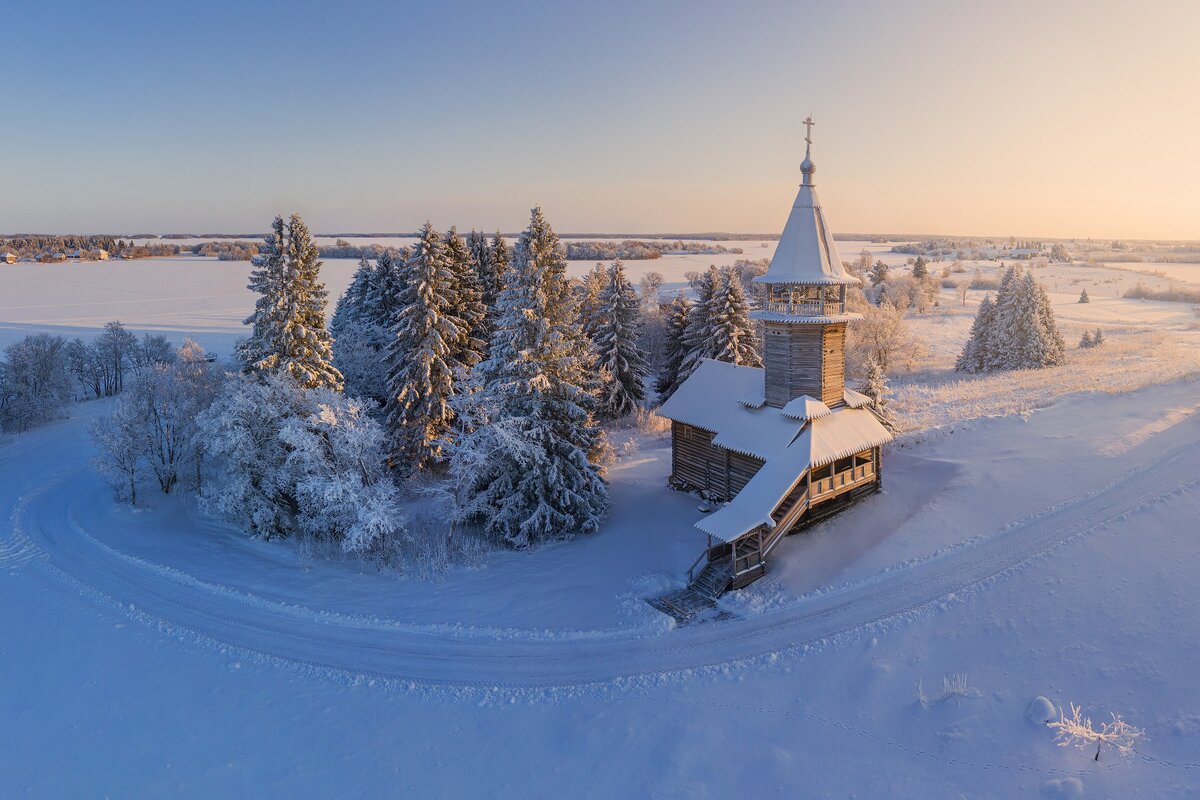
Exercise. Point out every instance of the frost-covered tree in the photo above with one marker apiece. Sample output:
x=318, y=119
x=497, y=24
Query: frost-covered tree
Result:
x=975, y=355
x=734, y=338
x=243, y=429
x=1083, y=297
x=151, y=350
x=699, y=339
x=649, y=291
x=591, y=305
x=1016, y=331
x=198, y=382
x=1086, y=341
x=1098, y=339
x=288, y=332
x=675, y=347
x=357, y=339
x=524, y=465
x=299, y=461
x=421, y=355
x=121, y=445
x=920, y=269
x=467, y=306
x=618, y=354
x=115, y=349
x=876, y=388
x=883, y=336
x=878, y=273
x=35, y=381
x=336, y=461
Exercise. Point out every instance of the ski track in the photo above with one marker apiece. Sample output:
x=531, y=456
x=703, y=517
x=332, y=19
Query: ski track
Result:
x=44, y=534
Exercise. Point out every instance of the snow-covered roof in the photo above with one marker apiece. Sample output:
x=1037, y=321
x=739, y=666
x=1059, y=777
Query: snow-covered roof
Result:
x=805, y=407
x=718, y=397
x=804, y=434
x=806, y=252
x=824, y=440
x=856, y=399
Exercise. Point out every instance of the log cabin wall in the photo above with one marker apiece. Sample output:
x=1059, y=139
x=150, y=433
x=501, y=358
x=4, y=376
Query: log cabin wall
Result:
x=806, y=359
x=833, y=365
x=696, y=461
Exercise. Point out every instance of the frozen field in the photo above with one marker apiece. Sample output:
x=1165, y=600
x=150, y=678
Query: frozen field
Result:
x=1036, y=534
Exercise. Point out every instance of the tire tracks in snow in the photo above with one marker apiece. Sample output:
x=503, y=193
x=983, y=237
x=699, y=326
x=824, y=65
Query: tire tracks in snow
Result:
x=365, y=651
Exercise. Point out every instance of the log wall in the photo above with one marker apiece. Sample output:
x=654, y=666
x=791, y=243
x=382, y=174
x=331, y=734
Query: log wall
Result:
x=804, y=359
x=696, y=461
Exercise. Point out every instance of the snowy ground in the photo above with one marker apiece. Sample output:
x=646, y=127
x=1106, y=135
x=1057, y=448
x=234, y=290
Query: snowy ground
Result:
x=1037, y=533
x=1046, y=554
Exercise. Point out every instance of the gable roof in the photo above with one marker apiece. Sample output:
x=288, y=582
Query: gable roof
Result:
x=822, y=441
x=727, y=400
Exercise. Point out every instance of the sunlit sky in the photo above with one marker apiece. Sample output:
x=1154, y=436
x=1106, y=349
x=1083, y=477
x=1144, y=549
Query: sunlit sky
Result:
x=1070, y=119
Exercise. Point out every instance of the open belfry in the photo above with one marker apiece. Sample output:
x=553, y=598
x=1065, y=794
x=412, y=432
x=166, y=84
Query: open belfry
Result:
x=786, y=444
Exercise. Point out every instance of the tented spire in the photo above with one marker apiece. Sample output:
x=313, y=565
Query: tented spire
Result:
x=806, y=253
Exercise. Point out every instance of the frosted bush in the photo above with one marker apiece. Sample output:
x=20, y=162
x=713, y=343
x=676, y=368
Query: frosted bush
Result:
x=1078, y=731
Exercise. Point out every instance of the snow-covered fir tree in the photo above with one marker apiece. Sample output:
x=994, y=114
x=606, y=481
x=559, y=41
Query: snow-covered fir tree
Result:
x=734, y=338
x=524, y=465
x=467, y=306
x=358, y=337
x=699, y=341
x=974, y=356
x=1016, y=331
x=420, y=358
x=876, y=388
x=1098, y=339
x=288, y=332
x=675, y=348
x=590, y=303
x=1086, y=341
x=878, y=273
x=618, y=354
x=1083, y=297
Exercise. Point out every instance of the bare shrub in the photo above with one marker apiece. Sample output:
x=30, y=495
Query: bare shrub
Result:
x=1078, y=731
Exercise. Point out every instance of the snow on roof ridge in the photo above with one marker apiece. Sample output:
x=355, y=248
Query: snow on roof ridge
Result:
x=805, y=407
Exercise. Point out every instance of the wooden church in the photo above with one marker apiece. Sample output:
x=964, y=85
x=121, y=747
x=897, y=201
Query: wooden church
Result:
x=788, y=443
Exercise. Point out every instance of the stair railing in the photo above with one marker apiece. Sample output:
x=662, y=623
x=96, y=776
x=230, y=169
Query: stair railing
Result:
x=692, y=569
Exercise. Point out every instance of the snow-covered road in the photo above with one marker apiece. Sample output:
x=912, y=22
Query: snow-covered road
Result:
x=48, y=532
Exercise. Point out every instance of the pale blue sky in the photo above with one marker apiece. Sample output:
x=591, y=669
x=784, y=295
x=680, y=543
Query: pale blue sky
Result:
x=1036, y=118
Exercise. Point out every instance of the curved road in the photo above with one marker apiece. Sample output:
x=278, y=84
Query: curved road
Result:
x=42, y=535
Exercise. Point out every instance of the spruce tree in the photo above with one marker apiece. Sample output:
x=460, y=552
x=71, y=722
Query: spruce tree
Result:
x=1086, y=341
x=289, y=334
x=467, y=307
x=698, y=339
x=1098, y=339
x=734, y=339
x=878, y=273
x=357, y=340
x=267, y=280
x=621, y=362
x=975, y=356
x=920, y=269
x=524, y=465
x=675, y=348
x=1083, y=297
x=877, y=389
x=591, y=303
x=420, y=357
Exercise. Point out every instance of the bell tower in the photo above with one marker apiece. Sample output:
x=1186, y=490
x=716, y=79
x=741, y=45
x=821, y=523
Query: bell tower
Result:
x=804, y=347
